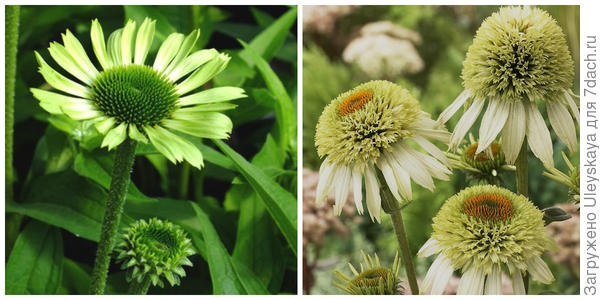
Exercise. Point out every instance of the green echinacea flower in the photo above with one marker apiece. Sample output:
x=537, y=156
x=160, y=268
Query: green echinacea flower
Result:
x=143, y=102
x=480, y=230
x=373, y=279
x=519, y=56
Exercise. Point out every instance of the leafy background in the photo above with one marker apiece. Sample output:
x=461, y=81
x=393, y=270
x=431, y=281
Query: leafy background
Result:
x=240, y=210
x=446, y=33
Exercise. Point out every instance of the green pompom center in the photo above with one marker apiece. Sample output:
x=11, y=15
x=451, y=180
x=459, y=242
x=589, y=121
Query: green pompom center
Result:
x=134, y=94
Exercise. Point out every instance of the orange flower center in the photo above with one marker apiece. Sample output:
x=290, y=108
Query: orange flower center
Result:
x=354, y=102
x=488, y=207
x=481, y=156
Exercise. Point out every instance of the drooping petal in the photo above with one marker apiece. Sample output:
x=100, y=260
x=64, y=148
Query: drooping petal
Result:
x=342, y=184
x=435, y=168
x=105, y=125
x=402, y=177
x=471, y=282
x=492, y=122
x=99, y=46
x=75, y=49
x=167, y=51
x=68, y=63
x=572, y=106
x=185, y=48
x=538, y=135
x=517, y=283
x=513, y=133
x=438, y=276
x=60, y=82
x=192, y=62
x=413, y=166
x=135, y=134
x=455, y=106
x=493, y=283
x=127, y=39
x=204, y=74
x=213, y=95
x=562, y=122
x=465, y=123
x=326, y=173
x=388, y=175
x=432, y=149
x=430, y=248
x=115, y=136
x=179, y=148
x=357, y=189
x=209, y=125
x=143, y=40
x=373, y=196
x=539, y=270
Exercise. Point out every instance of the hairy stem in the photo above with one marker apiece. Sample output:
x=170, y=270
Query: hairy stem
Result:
x=11, y=38
x=391, y=206
x=139, y=288
x=523, y=187
x=114, y=209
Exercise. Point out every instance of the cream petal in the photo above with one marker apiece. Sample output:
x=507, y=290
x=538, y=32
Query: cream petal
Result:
x=562, y=122
x=493, y=283
x=471, y=282
x=388, y=174
x=572, y=106
x=538, y=135
x=413, y=166
x=357, y=189
x=492, y=122
x=442, y=274
x=517, y=283
x=373, y=196
x=402, y=178
x=326, y=173
x=513, y=132
x=465, y=123
x=432, y=149
x=430, y=248
x=435, y=168
x=454, y=107
x=342, y=185
x=539, y=270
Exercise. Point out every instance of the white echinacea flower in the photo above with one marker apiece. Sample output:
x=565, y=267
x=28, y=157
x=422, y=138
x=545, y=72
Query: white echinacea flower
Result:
x=519, y=55
x=364, y=131
x=128, y=99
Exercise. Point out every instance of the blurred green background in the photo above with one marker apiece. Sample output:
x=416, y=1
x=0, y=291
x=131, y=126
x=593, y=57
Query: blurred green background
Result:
x=440, y=36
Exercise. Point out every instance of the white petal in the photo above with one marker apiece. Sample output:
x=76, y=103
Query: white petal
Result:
x=562, y=122
x=388, y=174
x=514, y=132
x=538, y=135
x=430, y=248
x=471, y=282
x=492, y=122
x=435, y=168
x=572, y=106
x=115, y=137
x=373, y=196
x=357, y=189
x=493, y=283
x=539, y=270
x=438, y=275
x=326, y=173
x=465, y=122
x=451, y=110
x=342, y=187
x=402, y=178
x=432, y=149
x=413, y=166
x=517, y=283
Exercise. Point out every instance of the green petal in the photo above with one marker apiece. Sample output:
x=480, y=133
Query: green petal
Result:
x=97, y=36
x=114, y=47
x=60, y=82
x=159, y=144
x=205, y=125
x=127, y=42
x=74, y=48
x=204, y=74
x=184, y=50
x=135, y=134
x=210, y=107
x=56, y=98
x=213, y=95
x=81, y=111
x=143, y=40
x=167, y=51
x=105, y=125
x=175, y=145
x=68, y=63
x=115, y=136
x=192, y=63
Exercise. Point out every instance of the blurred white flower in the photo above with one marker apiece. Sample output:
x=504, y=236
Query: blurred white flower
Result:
x=321, y=18
x=385, y=50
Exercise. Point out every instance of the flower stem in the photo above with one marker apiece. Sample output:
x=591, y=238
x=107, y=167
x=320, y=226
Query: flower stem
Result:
x=523, y=187
x=139, y=288
x=391, y=206
x=114, y=209
x=11, y=38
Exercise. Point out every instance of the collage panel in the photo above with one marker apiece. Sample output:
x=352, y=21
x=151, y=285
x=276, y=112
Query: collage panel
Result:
x=151, y=150
x=440, y=150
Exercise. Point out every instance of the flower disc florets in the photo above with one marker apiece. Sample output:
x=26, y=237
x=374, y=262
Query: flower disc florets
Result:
x=155, y=249
x=134, y=94
x=519, y=53
x=373, y=279
x=361, y=123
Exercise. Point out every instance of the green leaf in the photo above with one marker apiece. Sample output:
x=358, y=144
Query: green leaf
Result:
x=36, y=261
x=76, y=278
x=285, y=112
x=67, y=201
x=227, y=275
x=281, y=204
x=268, y=42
